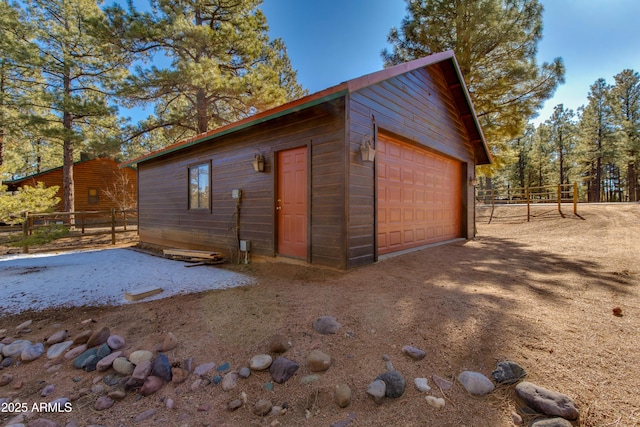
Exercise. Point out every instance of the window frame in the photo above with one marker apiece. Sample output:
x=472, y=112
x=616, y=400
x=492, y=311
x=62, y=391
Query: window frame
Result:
x=190, y=168
x=93, y=200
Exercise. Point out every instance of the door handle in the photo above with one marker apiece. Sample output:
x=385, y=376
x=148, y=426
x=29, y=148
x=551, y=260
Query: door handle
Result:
x=278, y=207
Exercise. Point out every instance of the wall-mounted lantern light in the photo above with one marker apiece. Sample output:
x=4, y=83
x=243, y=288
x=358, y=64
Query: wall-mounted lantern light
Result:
x=258, y=163
x=367, y=152
x=473, y=181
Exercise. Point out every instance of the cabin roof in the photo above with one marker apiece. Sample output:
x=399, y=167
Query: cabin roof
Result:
x=449, y=67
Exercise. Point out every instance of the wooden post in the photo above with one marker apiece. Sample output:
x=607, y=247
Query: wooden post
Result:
x=113, y=226
x=526, y=193
x=82, y=221
x=25, y=233
x=575, y=198
x=124, y=219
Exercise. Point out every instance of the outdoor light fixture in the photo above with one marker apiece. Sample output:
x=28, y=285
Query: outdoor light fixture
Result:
x=258, y=163
x=367, y=152
x=473, y=181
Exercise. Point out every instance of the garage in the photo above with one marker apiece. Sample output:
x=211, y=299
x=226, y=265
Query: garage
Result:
x=419, y=196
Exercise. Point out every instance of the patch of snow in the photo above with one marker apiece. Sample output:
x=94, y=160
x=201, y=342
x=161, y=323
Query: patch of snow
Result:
x=100, y=277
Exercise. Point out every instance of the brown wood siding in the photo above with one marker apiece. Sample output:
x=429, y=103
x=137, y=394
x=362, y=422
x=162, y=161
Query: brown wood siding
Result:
x=419, y=107
x=164, y=216
x=101, y=174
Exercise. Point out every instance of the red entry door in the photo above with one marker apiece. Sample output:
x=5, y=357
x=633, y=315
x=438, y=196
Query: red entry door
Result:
x=291, y=204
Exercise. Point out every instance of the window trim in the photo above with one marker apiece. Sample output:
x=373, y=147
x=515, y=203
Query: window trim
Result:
x=193, y=166
x=90, y=197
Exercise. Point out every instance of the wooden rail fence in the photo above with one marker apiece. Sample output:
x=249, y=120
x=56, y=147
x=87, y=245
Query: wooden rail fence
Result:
x=86, y=223
x=552, y=194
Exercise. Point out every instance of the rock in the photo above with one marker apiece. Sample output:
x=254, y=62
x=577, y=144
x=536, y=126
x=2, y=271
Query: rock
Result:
x=278, y=344
x=133, y=384
x=308, y=379
x=32, y=352
x=122, y=366
x=5, y=379
x=103, y=350
x=244, y=372
x=83, y=337
x=224, y=367
x=196, y=384
x=262, y=407
x=151, y=385
x=326, y=325
x=144, y=415
x=551, y=422
x=377, y=391
x=75, y=352
x=204, y=369
x=260, y=362
x=169, y=343
x=115, y=342
x=516, y=418
x=24, y=325
x=140, y=356
x=475, y=383
x=47, y=390
x=508, y=372
x=98, y=337
x=6, y=362
x=80, y=360
x=394, y=382
x=57, y=349
x=217, y=379
x=106, y=362
x=442, y=383
x=230, y=381
x=234, y=404
x=142, y=370
x=436, y=402
x=318, y=361
x=414, y=353
x=15, y=348
x=179, y=375
x=169, y=403
x=90, y=363
x=102, y=403
x=546, y=401
x=161, y=368
x=282, y=369
x=97, y=389
x=187, y=364
x=342, y=395
x=118, y=394
x=57, y=337
x=422, y=384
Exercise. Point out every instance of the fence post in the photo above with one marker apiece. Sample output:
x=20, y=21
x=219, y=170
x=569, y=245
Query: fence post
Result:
x=113, y=226
x=124, y=219
x=82, y=221
x=560, y=200
x=526, y=194
x=25, y=233
x=575, y=198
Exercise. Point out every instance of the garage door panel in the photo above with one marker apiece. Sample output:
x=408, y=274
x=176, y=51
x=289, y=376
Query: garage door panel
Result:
x=419, y=197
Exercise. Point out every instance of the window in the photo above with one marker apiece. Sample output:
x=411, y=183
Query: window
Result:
x=93, y=196
x=199, y=186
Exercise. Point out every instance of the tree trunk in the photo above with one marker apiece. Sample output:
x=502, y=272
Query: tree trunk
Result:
x=632, y=181
x=68, y=186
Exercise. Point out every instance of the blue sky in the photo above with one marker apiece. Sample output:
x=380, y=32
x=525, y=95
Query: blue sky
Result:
x=331, y=41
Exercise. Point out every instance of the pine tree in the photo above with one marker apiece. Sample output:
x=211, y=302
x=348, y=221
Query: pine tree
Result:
x=495, y=42
x=562, y=139
x=597, y=138
x=626, y=103
x=219, y=64
x=77, y=72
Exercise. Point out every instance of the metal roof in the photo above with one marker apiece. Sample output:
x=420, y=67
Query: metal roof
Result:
x=452, y=74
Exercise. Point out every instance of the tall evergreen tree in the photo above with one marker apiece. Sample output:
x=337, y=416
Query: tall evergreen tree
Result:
x=626, y=103
x=597, y=138
x=78, y=69
x=495, y=42
x=219, y=64
x=562, y=139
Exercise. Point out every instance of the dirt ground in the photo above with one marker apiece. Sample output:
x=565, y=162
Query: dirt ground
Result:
x=540, y=293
